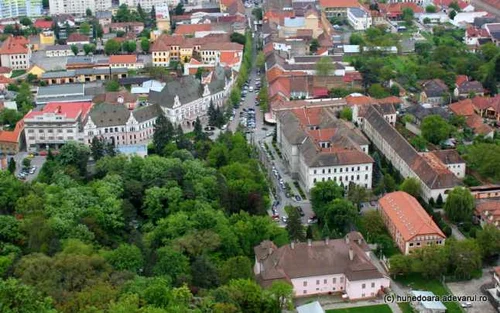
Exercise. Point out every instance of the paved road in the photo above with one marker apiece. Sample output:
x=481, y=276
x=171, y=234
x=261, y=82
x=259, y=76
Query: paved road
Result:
x=37, y=161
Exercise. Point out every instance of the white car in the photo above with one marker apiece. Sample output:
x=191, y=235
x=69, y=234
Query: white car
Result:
x=250, y=89
x=224, y=127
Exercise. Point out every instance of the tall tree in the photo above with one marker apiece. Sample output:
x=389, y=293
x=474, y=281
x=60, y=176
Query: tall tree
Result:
x=411, y=186
x=294, y=225
x=459, y=205
x=282, y=293
x=488, y=240
x=112, y=47
x=357, y=194
x=435, y=129
x=12, y=166
x=141, y=13
x=145, y=45
x=88, y=12
x=85, y=28
x=324, y=67
x=179, y=9
x=74, y=49
x=198, y=129
x=163, y=133
x=313, y=47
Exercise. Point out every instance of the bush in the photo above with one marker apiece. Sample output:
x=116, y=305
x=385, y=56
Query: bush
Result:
x=446, y=230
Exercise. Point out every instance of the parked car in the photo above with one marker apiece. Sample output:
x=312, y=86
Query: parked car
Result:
x=301, y=212
x=297, y=198
x=32, y=170
x=284, y=219
x=466, y=304
x=312, y=220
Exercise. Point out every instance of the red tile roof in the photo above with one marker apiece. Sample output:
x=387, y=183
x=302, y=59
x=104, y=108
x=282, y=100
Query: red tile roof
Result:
x=461, y=4
x=43, y=24
x=164, y=41
x=490, y=213
x=397, y=8
x=5, y=80
x=478, y=126
x=461, y=79
x=5, y=70
x=71, y=110
x=189, y=29
x=477, y=32
x=12, y=136
x=339, y=3
x=123, y=59
x=484, y=103
x=280, y=86
x=14, y=45
x=229, y=58
x=408, y=216
x=308, y=116
x=222, y=46
x=359, y=100
x=352, y=76
x=463, y=108
x=75, y=37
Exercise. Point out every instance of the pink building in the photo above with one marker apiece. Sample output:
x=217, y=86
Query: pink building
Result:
x=340, y=266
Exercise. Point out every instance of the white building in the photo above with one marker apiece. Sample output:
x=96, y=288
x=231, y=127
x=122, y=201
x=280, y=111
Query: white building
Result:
x=54, y=125
x=359, y=19
x=15, y=53
x=18, y=8
x=186, y=98
x=318, y=147
x=78, y=7
x=148, y=4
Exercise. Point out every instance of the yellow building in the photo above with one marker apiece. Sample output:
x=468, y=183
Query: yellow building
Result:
x=47, y=38
x=36, y=70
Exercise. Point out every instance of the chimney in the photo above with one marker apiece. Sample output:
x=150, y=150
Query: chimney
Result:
x=351, y=253
x=347, y=239
x=292, y=245
x=309, y=242
x=327, y=240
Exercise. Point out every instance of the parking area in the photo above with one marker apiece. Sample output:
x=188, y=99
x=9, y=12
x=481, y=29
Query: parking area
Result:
x=31, y=172
x=472, y=287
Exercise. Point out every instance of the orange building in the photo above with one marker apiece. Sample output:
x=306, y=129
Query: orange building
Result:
x=408, y=223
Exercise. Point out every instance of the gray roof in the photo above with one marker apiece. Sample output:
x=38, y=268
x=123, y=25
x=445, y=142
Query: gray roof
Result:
x=81, y=98
x=434, y=88
x=58, y=47
x=103, y=14
x=420, y=112
x=59, y=74
x=106, y=115
x=429, y=305
x=187, y=88
x=83, y=71
x=357, y=12
x=143, y=114
x=79, y=60
x=433, y=178
x=61, y=90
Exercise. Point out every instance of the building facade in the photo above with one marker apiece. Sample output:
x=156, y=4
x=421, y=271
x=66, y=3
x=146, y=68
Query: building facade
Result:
x=78, y=7
x=15, y=53
x=359, y=19
x=19, y=8
x=54, y=125
x=408, y=223
x=335, y=267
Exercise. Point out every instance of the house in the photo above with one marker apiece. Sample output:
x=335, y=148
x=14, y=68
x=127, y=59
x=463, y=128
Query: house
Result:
x=186, y=98
x=488, y=107
x=488, y=213
x=58, y=51
x=104, y=18
x=408, y=223
x=123, y=98
x=462, y=19
x=5, y=71
x=466, y=88
x=58, y=7
x=117, y=124
x=82, y=75
x=435, y=179
x=494, y=32
x=317, y=147
x=213, y=52
x=444, y=5
x=146, y=87
x=15, y=53
x=426, y=302
x=419, y=112
x=340, y=266
x=296, y=26
x=451, y=159
x=61, y=93
x=337, y=8
x=359, y=18
x=36, y=70
x=78, y=39
x=12, y=141
x=386, y=106
x=191, y=29
x=313, y=307
x=473, y=121
x=435, y=91
x=128, y=61
x=54, y=125
x=4, y=82
x=394, y=10
x=474, y=37
x=163, y=17
x=127, y=27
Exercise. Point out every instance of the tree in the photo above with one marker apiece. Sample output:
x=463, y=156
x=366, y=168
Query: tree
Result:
x=112, y=47
x=74, y=154
x=88, y=12
x=129, y=46
x=313, y=47
x=323, y=193
x=430, y=9
x=452, y=14
x=235, y=96
x=99, y=32
x=238, y=38
x=465, y=256
x=145, y=45
x=356, y=39
x=435, y=129
x=85, y=28
x=97, y=147
x=427, y=20
x=112, y=86
x=282, y=293
x=198, y=75
x=411, y=186
x=377, y=91
x=26, y=21
x=126, y=258
x=454, y=5
x=459, y=205
x=324, y=67
x=257, y=12
x=389, y=183
x=141, y=13
x=340, y=215
x=88, y=49
x=238, y=267
x=399, y=264
x=488, y=240
x=179, y=9
x=26, y=162
x=74, y=49
x=408, y=15
x=346, y=114
x=260, y=60
x=204, y=273
x=294, y=225
x=357, y=194
x=395, y=90
x=12, y=166
x=17, y=297
x=171, y=263
x=198, y=130
x=163, y=133
x=24, y=98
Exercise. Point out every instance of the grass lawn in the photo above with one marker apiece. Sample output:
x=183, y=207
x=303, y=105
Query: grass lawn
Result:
x=418, y=282
x=405, y=307
x=381, y=308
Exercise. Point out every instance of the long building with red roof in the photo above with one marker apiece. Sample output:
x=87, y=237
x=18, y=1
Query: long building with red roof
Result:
x=408, y=223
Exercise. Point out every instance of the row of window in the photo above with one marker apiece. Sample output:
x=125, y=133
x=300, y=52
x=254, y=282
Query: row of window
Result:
x=438, y=242
x=52, y=138
x=30, y=131
x=340, y=178
x=324, y=171
x=325, y=281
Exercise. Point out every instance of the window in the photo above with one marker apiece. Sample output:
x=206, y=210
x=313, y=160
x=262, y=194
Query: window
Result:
x=362, y=295
x=304, y=292
x=305, y=284
x=323, y=171
x=363, y=286
x=324, y=281
x=335, y=280
x=366, y=168
x=411, y=244
x=314, y=171
x=418, y=243
x=341, y=280
x=341, y=170
x=317, y=282
x=373, y=285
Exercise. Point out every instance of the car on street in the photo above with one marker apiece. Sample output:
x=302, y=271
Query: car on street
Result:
x=32, y=170
x=250, y=89
x=466, y=304
x=312, y=220
x=298, y=198
x=284, y=219
x=301, y=212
